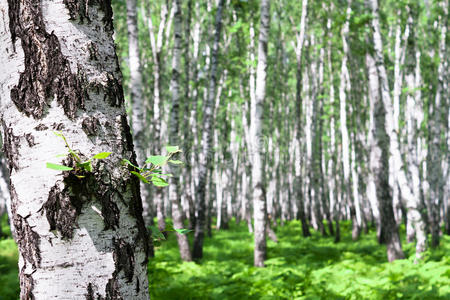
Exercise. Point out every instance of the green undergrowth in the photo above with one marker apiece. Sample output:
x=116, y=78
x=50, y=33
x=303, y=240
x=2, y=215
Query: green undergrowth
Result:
x=299, y=268
x=9, y=281
x=296, y=268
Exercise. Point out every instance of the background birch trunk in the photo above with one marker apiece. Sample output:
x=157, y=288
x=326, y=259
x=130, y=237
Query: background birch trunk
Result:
x=207, y=139
x=257, y=109
x=138, y=120
x=174, y=140
x=156, y=42
x=387, y=142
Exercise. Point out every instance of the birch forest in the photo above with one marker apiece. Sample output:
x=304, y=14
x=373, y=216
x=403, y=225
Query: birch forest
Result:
x=224, y=149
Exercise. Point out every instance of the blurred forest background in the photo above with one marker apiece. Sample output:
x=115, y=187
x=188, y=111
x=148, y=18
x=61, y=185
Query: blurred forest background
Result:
x=315, y=138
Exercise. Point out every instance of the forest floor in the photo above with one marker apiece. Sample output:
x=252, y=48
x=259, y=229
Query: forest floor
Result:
x=296, y=268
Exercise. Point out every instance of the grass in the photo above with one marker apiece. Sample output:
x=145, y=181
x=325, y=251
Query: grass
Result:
x=299, y=268
x=296, y=268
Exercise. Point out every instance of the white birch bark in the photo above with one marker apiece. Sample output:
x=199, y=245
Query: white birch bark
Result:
x=415, y=227
x=389, y=231
x=156, y=42
x=256, y=120
x=78, y=238
x=174, y=187
x=344, y=90
x=207, y=139
x=331, y=166
x=137, y=100
x=435, y=120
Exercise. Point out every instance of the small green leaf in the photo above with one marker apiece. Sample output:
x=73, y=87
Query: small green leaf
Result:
x=183, y=231
x=173, y=149
x=126, y=161
x=58, y=133
x=176, y=162
x=58, y=167
x=157, y=160
x=156, y=243
x=61, y=155
x=142, y=178
x=156, y=233
x=158, y=181
x=169, y=227
x=87, y=166
x=102, y=155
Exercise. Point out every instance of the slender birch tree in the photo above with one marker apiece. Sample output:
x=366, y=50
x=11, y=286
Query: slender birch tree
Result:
x=207, y=139
x=174, y=187
x=386, y=144
x=256, y=120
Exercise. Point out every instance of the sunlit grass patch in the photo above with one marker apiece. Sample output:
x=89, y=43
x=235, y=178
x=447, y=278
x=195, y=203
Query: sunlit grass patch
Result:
x=299, y=268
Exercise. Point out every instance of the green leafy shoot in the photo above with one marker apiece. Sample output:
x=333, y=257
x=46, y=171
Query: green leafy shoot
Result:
x=159, y=236
x=58, y=167
x=80, y=165
x=151, y=171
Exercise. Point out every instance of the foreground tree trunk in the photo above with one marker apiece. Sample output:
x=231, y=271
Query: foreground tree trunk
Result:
x=256, y=121
x=77, y=237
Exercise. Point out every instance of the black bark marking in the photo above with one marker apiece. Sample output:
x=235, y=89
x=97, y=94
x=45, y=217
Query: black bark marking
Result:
x=28, y=243
x=62, y=211
x=127, y=137
x=90, y=292
x=113, y=91
x=27, y=239
x=110, y=211
x=41, y=127
x=26, y=286
x=90, y=125
x=93, y=51
x=11, y=145
x=63, y=207
x=112, y=289
x=47, y=72
x=135, y=206
x=58, y=126
x=13, y=6
x=79, y=9
x=124, y=258
x=138, y=288
x=30, y=140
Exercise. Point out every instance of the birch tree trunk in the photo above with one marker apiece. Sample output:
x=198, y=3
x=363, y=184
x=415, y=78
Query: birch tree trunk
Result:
x=156, y=42
x=300, y=37
x=256, y=121
x=434, y=167
x=137, y=100
x=374, y=95
x=77, y=237
x=415, y=227
x=174, y=187
x=207, y=139
x=344, y=90
x=386, y=140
